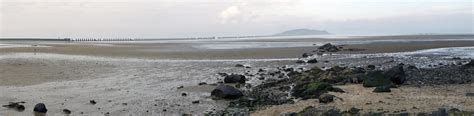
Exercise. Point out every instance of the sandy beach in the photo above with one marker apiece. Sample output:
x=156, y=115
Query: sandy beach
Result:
x=142, y=78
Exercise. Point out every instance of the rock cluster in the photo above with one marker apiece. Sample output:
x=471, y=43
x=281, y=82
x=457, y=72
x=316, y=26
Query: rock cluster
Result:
x=329, y=47
x=226, y=92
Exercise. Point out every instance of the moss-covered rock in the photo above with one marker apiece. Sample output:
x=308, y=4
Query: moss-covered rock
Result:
x=375, y=79
x=313, y=90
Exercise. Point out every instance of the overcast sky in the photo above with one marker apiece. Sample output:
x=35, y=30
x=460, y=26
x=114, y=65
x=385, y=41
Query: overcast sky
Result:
x=190, y=18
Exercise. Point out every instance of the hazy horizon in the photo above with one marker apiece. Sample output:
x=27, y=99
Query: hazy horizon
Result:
x=190, y=18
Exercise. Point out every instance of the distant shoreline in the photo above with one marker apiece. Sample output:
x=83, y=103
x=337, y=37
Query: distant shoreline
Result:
x=224, y=37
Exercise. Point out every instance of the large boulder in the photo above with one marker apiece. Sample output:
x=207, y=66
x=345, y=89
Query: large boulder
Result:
x=226, y=92
x=371, y=67
x=329, y=47
x=234, y=78
x=375, y=79
x=40, y=108
x=396, y=74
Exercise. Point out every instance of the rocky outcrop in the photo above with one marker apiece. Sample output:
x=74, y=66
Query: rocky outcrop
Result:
x=313, y=90
x=329, y=47
x=226, y=92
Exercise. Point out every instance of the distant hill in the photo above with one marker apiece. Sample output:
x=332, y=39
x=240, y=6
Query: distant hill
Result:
x=298, y=32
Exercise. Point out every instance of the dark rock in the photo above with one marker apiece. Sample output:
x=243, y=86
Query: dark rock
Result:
x=326, y=98
x=320, y=111
x=202, y=83
x=381, y=89
x=239, y=65
x=329, y=47
x=307, y=111
x=234, y=78
x=226, y=92
x=20, y=108
x=403, y=114
x=40, y=108
x=184, y=94
x=293, y=74
x=180, y=87
x=440, y=112
x=454, y=110
x=396, y=74
x=16, y=105
x=354, y=110
x=312, y=61
x=371, y=67
x=305, y=55
x=411, y=67
x=223, y=74
x=300, y=61
x=92, y=102
x=375, y=79
x=289, y=114
x=470, y=94
x=195, y=102
x=456, y=58
x=336, y=68
x=66, y=111
x=470, y=64
x=313, y=90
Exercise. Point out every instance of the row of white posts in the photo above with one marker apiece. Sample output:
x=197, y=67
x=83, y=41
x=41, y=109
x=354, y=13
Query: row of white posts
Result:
x=100, y=39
